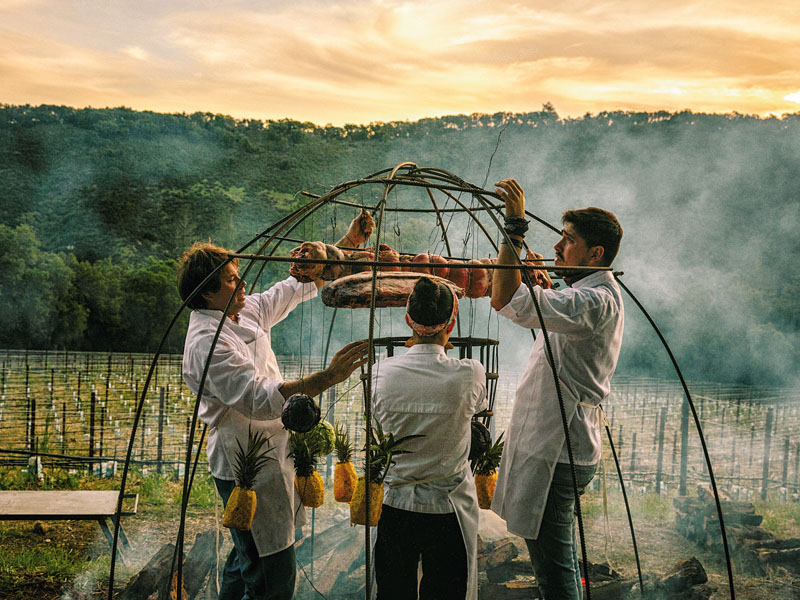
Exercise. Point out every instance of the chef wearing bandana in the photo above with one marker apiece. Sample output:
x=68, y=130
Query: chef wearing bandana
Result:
x=430, y=509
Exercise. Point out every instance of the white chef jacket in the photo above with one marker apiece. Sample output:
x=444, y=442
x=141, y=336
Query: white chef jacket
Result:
x=584, y=324
x=425, y=392
x=242, y=391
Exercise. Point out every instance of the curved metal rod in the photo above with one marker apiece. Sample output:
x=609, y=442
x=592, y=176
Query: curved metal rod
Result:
x=699, y=432
x=627, y=510
x=491, y=208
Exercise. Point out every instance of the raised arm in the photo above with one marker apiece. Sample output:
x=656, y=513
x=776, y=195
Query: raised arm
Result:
x=506, y=281
x=343, y=363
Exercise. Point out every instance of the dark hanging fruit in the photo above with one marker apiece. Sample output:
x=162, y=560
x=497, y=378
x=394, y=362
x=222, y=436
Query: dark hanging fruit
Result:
x=300, y=413
x=481, y=440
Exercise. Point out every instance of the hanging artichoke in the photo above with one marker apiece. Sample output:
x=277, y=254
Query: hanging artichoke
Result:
x=300, y=413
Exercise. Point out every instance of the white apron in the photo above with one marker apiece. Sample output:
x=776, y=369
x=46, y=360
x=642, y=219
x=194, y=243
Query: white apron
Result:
x=273, y=527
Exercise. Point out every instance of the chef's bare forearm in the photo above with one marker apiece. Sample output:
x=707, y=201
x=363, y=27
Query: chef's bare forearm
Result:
x=344, y=362
x=505, y=281
x=310, y=385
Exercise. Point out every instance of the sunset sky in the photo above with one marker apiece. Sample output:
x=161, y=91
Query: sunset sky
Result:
x=357, y=61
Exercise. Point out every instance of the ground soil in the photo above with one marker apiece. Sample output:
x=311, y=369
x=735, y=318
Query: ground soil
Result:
x=660, y=547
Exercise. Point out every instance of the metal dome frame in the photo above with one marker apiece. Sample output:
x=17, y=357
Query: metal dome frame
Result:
x=406, y=174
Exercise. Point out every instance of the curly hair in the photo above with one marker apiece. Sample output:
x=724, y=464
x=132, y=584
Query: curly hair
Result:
x=195, y=265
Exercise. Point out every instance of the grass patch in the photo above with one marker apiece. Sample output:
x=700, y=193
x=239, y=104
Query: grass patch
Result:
x=655, y=508
x=56, y=564
x=780, y=519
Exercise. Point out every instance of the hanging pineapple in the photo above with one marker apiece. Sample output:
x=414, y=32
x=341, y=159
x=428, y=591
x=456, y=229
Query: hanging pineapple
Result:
x=344, y=473
x=381, y=448
x=307, y=479
x=241, y=506
x=485, y=470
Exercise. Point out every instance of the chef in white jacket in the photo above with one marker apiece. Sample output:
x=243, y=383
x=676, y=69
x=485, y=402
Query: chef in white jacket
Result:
x=584, y=323
x=244, y=390
x=430, y=507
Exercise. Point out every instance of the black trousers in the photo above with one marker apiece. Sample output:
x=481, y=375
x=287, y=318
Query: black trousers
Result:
x=403, y=538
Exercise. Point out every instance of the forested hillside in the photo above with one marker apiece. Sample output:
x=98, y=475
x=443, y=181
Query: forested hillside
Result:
x=97, y=204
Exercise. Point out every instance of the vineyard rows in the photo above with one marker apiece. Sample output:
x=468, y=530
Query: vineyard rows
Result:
x=75, y=410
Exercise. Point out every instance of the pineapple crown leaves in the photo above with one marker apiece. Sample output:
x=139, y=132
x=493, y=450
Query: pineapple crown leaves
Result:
x=489, y=460
x=248, y=463
x=304, y=451
x=342, y=444
x=382, y=447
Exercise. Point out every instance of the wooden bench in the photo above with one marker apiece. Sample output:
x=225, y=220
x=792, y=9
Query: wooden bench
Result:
x=61, y=505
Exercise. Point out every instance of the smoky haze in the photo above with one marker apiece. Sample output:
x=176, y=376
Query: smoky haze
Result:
x=710, y=215
x=709, y=207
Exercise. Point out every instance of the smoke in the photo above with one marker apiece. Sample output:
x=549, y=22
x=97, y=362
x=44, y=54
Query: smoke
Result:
x=709, y=212
x=708, y=207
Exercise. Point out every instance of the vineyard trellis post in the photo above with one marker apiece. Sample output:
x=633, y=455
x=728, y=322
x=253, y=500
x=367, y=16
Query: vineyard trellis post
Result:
x=63, y=428
x=91, y=423
x=767, y=443
x=684, y=445
x=785, y=478
x=797, y=468
x=144, y=428
x=32, y=409
x=102, y=428
x=660, y=463
x=160, y=439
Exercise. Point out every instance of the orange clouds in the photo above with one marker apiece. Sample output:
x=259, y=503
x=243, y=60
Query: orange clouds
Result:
x=371, y=60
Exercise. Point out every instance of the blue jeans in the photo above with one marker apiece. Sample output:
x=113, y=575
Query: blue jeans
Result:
x=554, y=554
x=248, y=576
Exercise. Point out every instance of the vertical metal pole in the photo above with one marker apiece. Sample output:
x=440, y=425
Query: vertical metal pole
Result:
x=160, y=429
x=91, y=424
x=785, y=478
x=32, y=403
x=674, y=452
x=797, y=467
x=63, y=428
x=767, y=443
x=684, y=445
x=144, y=428
x=660, y=463
x=102, y=428
x=108, y=378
